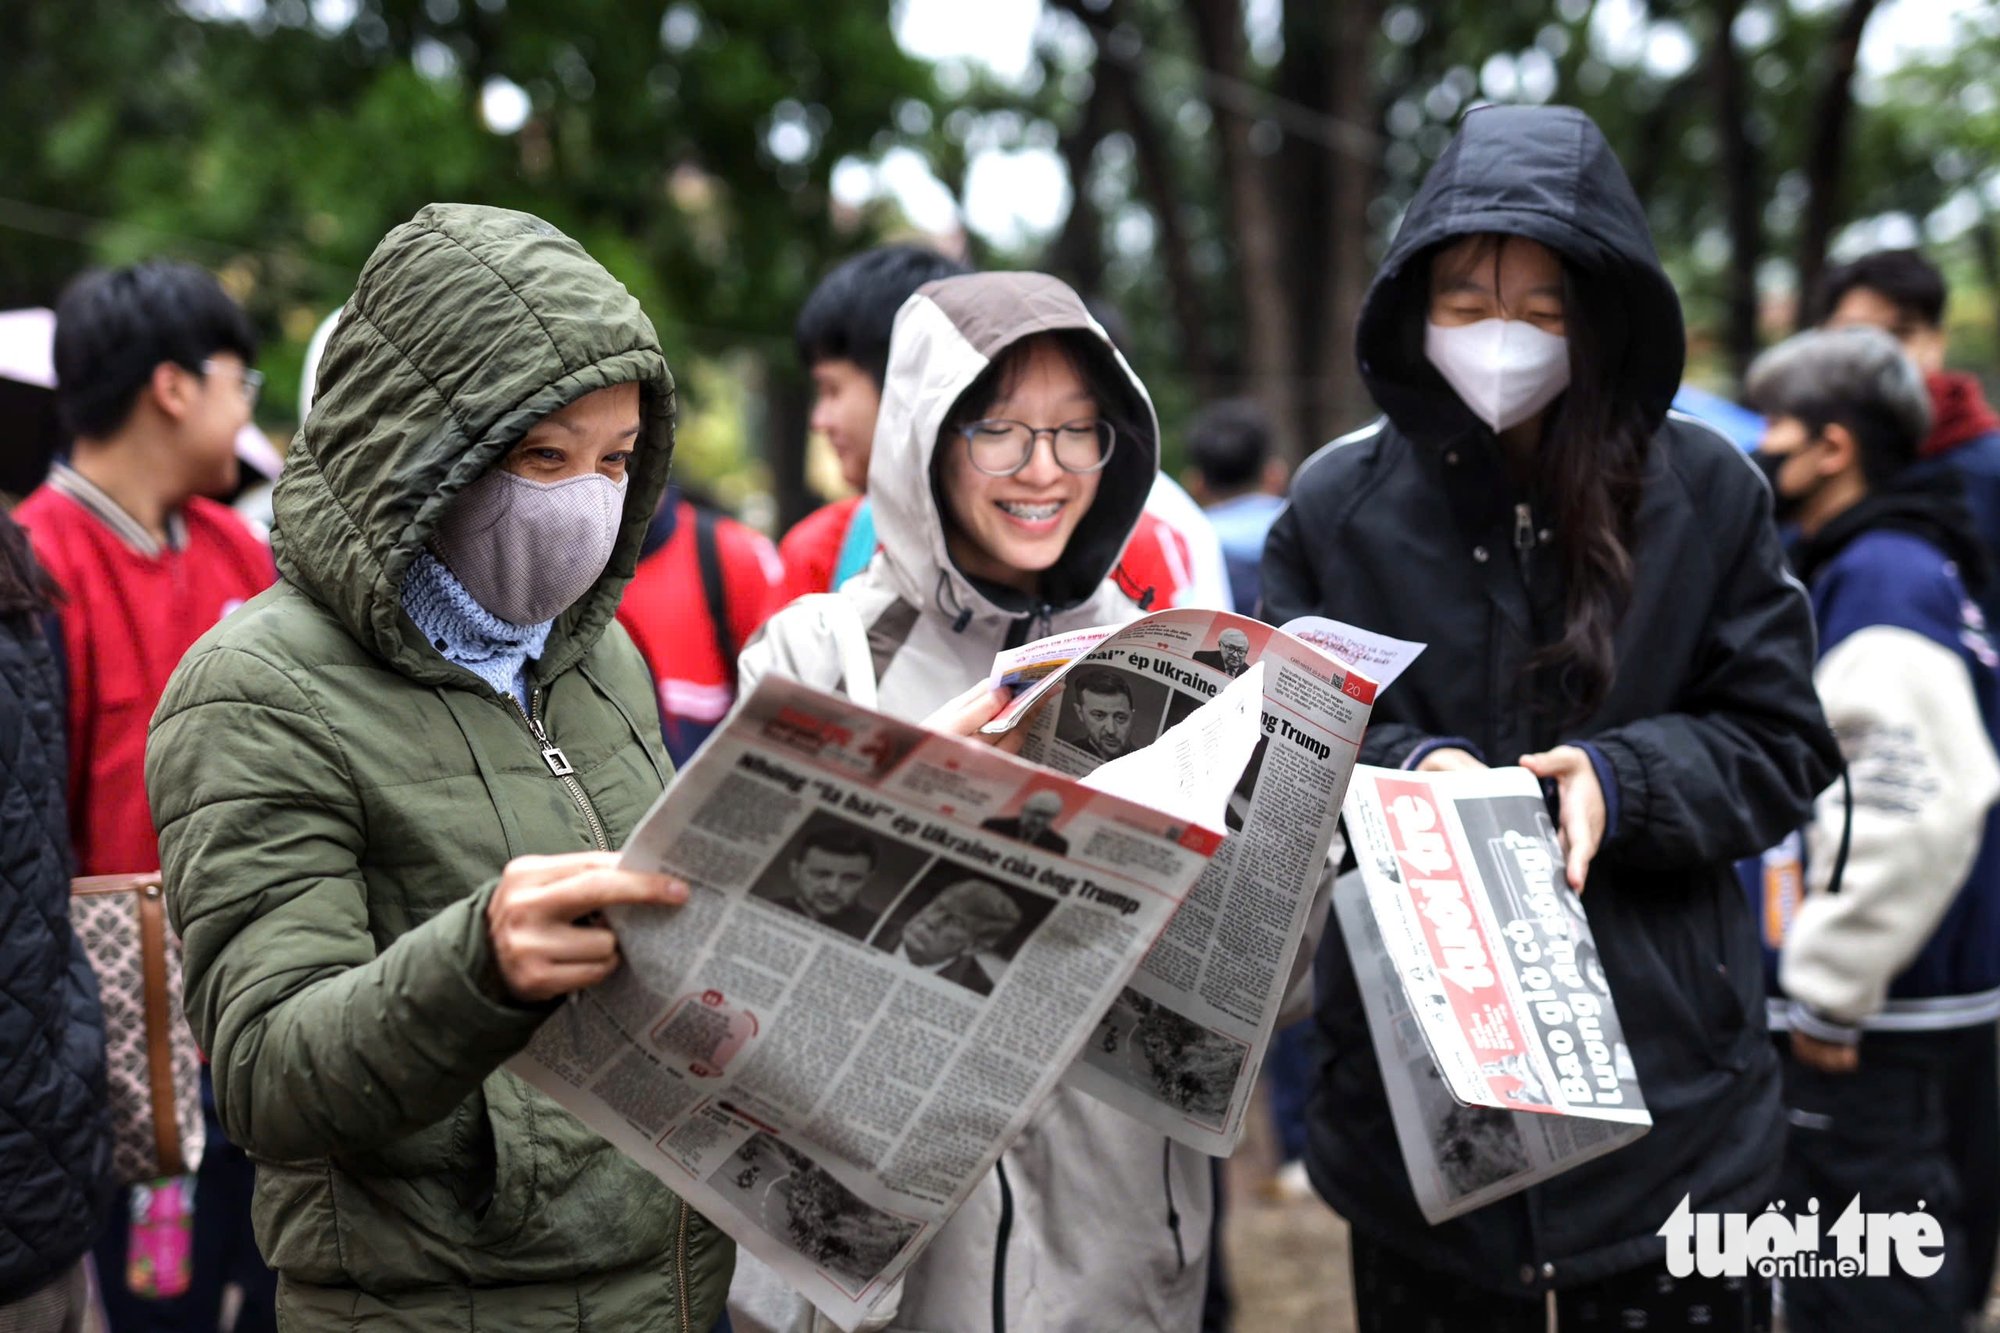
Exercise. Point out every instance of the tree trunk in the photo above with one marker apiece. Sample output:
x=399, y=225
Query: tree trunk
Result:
x=1253, y=222
x=1826, y=150
x=1986, y=244
x=1356, y=178
x=1077, y=256
x=1119, y=91
x=787, y=407
x=1324, y=184
x=1742, y=187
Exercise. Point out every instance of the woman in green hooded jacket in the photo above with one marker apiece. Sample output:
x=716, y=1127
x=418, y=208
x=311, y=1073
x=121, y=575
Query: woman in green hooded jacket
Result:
x=388, y=788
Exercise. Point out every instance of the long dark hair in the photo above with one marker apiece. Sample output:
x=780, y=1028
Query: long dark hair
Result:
x=25, y=587
x=1590, y=466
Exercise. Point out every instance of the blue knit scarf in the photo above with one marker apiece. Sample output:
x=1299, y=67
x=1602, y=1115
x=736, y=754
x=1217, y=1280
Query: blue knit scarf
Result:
x=466, y=633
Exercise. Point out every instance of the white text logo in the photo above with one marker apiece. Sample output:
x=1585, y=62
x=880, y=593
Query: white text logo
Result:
x=1772, y=1244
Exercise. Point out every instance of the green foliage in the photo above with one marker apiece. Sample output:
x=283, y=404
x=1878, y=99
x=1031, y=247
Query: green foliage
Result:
x=689, y=144
x=278, y=151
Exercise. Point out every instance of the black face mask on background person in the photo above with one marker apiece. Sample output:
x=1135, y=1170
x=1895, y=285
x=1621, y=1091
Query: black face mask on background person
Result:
x=1784, y=508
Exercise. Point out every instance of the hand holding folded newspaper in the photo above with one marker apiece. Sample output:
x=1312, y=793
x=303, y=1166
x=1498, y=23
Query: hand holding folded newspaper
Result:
x=1487, y=1004
x=1181, y=1047
x=894, y=943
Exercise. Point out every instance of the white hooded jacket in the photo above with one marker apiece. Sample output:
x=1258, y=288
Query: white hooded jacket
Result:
x=1091, y=1221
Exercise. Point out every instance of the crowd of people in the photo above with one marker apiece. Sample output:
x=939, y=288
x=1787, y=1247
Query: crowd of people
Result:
x=383, y=762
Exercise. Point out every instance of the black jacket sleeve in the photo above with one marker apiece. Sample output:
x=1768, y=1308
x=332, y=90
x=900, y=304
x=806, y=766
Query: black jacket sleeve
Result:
x=1291, y=589
x=1738, y=764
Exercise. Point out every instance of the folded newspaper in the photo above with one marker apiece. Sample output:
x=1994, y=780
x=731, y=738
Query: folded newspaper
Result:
x=894, y=943
x=1181, y=1048
x=1499, y=1043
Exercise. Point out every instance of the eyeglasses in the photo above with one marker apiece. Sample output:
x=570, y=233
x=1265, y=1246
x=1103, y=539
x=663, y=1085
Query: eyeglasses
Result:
x=1002, y=448
x=252, y=384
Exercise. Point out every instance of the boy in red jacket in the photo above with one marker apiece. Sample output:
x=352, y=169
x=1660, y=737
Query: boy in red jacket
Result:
x=842, y=334
x=154, y=381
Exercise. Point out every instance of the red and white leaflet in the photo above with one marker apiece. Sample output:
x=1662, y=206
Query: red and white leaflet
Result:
x=1463, y=872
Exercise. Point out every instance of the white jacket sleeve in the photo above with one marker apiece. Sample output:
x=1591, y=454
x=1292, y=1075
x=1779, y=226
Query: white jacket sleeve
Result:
x=810, y=641
x=1924, y=775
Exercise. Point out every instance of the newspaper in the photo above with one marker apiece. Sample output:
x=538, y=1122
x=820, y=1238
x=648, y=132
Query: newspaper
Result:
x=1459, y=1157
x=894, y=943
x=1495, y=971
x=1465, y=873
x=1181, y=1048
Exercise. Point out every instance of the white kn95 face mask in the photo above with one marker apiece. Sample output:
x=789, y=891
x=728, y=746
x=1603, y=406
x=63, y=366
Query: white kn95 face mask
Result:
x=1505, y=370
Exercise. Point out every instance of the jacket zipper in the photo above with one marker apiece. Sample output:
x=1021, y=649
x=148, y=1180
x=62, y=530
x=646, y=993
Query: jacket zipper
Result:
x=1524, y=536
x=1036, y=624
x=681, y=1267
x=559, y=765
x=1173, y=1212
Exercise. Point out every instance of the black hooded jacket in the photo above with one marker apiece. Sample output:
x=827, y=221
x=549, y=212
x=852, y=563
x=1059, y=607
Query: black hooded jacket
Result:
x=55, y=1136
x=1710, y=730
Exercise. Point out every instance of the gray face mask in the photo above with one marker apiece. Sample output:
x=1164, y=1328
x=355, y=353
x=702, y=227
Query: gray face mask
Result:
x=526, y=550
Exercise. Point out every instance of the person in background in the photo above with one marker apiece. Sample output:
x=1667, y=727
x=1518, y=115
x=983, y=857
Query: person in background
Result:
x=1893, y=980
x=705, y=583
x=155, y=378
x=55, y=1149
x=1903, y=293
x=842, y=335
x=1240, y=485
x=1606, y=604
x=389, y=788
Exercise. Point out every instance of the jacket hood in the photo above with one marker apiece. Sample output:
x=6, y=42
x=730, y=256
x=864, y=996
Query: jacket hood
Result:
x=945, y=336
x=1926, y=505
x=468, y=325
x=1545, y=173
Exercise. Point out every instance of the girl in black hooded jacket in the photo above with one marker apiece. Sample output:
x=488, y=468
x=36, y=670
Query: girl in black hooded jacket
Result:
x=1606, y=603
x=55, y=1144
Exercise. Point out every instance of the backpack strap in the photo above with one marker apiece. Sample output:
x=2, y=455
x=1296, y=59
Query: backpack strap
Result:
x=713, y=590
x=857, y=545
x=841, y=623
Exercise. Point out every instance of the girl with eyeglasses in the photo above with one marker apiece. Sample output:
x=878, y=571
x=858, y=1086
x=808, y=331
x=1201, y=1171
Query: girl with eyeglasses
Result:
x=1011, y=462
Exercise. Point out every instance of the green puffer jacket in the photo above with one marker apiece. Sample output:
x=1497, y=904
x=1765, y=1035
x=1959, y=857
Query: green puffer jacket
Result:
x=335, y=801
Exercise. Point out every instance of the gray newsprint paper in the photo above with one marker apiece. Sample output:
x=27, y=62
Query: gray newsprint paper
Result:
x=894, y=942
x=1181, y=1047
x=1459, y=1157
